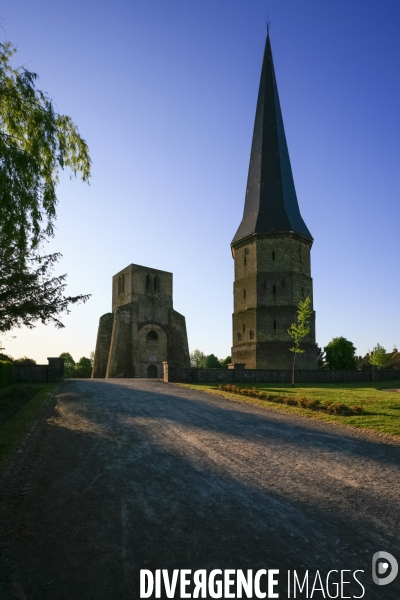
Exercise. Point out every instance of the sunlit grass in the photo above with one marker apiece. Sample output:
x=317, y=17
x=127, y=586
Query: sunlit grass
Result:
x=381, y=409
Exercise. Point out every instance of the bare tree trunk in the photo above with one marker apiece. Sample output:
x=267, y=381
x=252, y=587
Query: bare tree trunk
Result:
x=294, y=359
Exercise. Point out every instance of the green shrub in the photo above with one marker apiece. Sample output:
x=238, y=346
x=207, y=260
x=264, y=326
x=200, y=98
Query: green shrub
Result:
x=338, y=408
x=335, y=408
x=6, y=373
x=24, y=361
x=309, y=403
x=289, y=401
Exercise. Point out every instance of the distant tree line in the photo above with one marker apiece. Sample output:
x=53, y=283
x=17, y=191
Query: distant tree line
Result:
x=80, y=369
x=208, y=361
x=340, y=353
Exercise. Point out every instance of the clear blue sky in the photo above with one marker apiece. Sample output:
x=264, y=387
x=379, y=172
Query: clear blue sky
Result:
x=164, y=92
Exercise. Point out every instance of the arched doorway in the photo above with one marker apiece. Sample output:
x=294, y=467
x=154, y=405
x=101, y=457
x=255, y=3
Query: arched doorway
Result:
x=152, y=371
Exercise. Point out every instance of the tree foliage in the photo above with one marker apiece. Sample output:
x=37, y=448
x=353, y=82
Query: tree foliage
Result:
x=320, y=357
x=82, y=368
x=202, y=361
x=379, y=356
x=300, y=329
x=340, y=354
x=69, y=364
x=29, y=292
x=24, y=361
x=226, y=361
x=212, y=362
x=197, y=359
x=35, y=143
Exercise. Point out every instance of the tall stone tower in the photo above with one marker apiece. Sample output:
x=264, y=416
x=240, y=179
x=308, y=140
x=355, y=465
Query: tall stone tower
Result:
x=271, y=248
x=143, y=330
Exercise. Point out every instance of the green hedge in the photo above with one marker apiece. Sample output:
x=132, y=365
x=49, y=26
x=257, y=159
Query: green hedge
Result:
x=6, y=373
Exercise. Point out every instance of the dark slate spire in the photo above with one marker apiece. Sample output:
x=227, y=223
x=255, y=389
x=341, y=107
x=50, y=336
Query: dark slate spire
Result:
x=271, y=203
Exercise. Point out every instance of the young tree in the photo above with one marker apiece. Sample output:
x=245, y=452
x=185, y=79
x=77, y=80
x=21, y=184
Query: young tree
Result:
x=212, y=362
x=69, y=364
x=35, y=143
x=299, y=330
x=197, y=359
x=379, y=356
x=340, y=354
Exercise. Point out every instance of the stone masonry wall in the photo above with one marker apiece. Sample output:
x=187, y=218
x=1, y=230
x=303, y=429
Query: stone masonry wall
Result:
x=272, y=275
x=103, y=346
x=54, y=371
x=240, y=375
x=120, y=357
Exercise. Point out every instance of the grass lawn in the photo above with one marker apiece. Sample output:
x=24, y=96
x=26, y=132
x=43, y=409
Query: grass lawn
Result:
x=17, y=424
x=381, y=409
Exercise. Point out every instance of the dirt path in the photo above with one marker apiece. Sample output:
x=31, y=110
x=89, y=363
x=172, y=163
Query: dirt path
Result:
x=138, y=474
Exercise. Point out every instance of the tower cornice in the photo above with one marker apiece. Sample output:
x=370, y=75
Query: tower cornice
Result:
x=268, y=236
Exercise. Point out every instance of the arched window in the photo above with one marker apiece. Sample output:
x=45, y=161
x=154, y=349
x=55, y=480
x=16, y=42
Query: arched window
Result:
x=148, y=282
x=274, y=324
x=273, y=255
x=123, y=283
x=244, y=328
x=239, y=335
x=274, y=289
x=252, y=335
x=152, y=336
x=156, y=283
x=119, y=285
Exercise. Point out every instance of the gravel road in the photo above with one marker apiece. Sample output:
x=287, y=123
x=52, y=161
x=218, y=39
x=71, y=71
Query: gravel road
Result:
x=139, y=474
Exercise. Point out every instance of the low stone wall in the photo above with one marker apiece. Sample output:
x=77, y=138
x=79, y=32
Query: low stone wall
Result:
x=54, y=371
x=191, y=374
x=238, y=374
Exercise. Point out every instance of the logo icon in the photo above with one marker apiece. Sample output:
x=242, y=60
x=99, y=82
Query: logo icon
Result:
x=385, y=564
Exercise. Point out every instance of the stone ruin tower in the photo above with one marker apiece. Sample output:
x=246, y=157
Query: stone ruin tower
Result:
x=143, y=330
x=271, y=248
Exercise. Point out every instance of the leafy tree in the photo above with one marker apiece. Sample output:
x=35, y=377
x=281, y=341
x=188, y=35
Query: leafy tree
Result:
x=212, y=362
x=226, y=361
x=379, y=356
x=320, y=357
x=6, y=357
x=197, y=359
x=83, y=367
x=35, y=143
x=28, y=291
x=340, y=354
x=299, y=330
x=91, y=356
x=24, y=361
x=69, y=364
